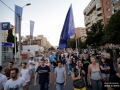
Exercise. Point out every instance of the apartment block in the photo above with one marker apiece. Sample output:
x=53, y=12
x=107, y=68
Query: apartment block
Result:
x=38, y=40
x=97, y=10
x=115, y=5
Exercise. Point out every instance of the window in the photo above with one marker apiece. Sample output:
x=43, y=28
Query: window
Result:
x=107, y=2
x=108, y=16
x=108, y=9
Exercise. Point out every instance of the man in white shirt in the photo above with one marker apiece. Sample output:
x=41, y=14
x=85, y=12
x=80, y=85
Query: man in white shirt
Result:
x=26, y=74
x=3, y=79
x=16, y=82
x=32, y=66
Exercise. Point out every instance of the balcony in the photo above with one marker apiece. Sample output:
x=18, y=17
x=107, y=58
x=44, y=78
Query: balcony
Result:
x=99, y=12
x=100, y=18
x=98, y=5
x=91, y=8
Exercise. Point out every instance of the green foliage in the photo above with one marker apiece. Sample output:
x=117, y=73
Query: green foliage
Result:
x=52, y=48
x=112, y=29
x=95, y=34
x=71, y=43
x=10, y=39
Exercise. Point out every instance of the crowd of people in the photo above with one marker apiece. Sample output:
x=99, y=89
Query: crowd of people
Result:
x=96, y=70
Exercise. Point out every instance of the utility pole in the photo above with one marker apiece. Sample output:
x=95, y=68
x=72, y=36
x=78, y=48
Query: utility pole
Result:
x=19, y=22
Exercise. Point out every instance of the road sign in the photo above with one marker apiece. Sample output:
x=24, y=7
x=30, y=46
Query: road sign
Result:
x=5, y=25
x=6, y=44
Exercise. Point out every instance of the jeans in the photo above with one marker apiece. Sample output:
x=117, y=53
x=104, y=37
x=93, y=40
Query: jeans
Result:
x=68, y=66
x=44, y=86
x=86, y=79
x=96, y=84
x=59, y=86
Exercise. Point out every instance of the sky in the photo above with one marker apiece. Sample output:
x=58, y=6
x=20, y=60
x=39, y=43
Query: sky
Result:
x=48, y=15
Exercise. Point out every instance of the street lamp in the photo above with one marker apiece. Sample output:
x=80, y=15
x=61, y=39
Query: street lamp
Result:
x=27, y=5
x=20, y=33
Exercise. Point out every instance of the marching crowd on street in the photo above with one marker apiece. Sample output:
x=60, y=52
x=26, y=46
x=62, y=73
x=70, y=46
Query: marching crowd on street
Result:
x=95, y=69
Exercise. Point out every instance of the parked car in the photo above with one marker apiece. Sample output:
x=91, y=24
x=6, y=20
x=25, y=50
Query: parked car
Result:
x=40, y=56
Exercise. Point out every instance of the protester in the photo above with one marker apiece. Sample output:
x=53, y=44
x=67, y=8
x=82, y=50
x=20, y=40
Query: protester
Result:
x=54, y=65
x=7, y=70
x=94, y=75
x=63, y=60
x=37, y=63
x=16, y=82
x=110, y=62
x=47, y=63
x=118, y=61
x=3, y=79
x=115, y=80
x=26, y=74
x=105, y=70
x=44, y=76
x=68, y=63
x=60, y=77
x=86, y=63
x=52, y=58
x=77, y=76
x=32, y=66
x=73, y=63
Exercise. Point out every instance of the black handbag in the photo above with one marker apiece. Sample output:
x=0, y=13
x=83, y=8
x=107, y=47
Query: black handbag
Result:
x=79, y=83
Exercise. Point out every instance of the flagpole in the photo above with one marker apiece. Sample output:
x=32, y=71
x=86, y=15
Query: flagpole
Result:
x=15, y=47
x=76, y=45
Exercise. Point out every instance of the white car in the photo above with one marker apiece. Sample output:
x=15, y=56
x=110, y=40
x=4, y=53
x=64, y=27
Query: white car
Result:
x=40, y=56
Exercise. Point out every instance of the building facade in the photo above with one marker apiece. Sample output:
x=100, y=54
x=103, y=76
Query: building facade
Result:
x=116, y=5
x=38, y=40
x=97, y=10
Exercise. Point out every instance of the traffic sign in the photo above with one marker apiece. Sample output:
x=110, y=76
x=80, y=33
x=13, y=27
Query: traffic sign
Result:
x=5, y=25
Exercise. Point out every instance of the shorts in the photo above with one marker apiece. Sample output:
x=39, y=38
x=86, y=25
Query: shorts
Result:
x=105, y=75
x=80, y=89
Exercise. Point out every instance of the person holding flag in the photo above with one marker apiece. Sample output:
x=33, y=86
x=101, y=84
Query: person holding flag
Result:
x=77, y=76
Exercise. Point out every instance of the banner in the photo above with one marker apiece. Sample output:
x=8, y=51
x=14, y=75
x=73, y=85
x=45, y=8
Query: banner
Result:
x=31, y=29
x=18, y=15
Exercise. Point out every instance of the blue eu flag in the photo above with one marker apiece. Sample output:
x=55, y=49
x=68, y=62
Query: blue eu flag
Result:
x=68, y=29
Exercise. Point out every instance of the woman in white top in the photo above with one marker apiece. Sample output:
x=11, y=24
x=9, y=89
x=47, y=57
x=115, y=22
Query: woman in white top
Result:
x=37, y=63
x=94, y=74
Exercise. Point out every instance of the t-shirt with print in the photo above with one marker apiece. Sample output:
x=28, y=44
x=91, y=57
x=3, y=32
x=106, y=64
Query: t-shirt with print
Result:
x=60, y=74
x=86, y=64
x=15, y=85
x=26, y=74
x=31, y=64
x=3, y=80
x=43, y=74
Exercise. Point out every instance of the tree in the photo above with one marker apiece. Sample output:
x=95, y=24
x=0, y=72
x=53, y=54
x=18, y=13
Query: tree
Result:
x=112, y=29
x=94, y=36
x=52, y=48
x=71, y=43
x=10, y=39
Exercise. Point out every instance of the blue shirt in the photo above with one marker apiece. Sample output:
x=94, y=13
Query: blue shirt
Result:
x=52, y=58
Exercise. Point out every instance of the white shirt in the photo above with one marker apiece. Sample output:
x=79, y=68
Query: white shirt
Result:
x=26, y=74
x=31, y=64
x=15, y=85
x=3, y=80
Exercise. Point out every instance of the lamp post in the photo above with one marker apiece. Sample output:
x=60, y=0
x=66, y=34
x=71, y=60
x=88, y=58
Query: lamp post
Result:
x=20, y=57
